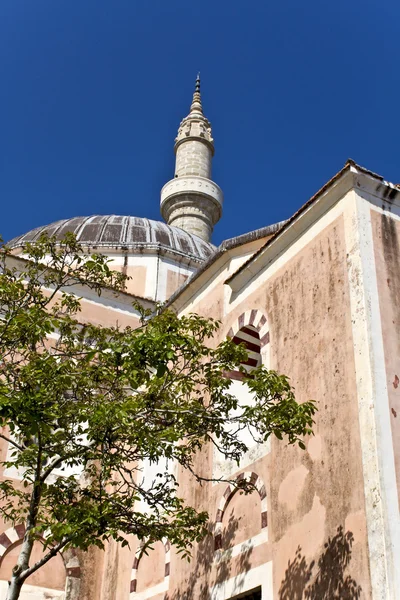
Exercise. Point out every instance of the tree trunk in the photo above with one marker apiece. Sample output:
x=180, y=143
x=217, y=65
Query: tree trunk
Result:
x=16, y=582
x=14, y=588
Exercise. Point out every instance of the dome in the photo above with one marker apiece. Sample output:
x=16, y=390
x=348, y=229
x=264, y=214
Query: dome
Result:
x=113, y=231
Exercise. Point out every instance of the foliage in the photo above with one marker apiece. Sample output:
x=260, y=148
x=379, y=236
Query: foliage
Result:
x=79, y=398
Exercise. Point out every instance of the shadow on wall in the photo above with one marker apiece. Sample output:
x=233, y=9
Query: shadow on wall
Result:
x=199, y=582
x=329, y=581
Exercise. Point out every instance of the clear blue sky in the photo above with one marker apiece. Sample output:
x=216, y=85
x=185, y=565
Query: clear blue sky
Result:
x=92, y=93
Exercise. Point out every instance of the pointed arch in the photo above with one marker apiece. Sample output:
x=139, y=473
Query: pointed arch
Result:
x=230, y=491
x=135, y=566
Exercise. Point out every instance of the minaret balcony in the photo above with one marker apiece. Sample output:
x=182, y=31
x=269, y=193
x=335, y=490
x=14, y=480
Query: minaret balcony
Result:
x=192, y=185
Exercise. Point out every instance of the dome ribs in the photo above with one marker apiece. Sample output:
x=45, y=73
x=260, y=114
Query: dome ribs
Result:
x=132, y=233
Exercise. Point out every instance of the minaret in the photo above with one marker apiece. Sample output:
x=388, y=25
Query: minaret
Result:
x=192, y=201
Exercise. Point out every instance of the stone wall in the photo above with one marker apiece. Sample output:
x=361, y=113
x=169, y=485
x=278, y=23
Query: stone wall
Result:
x=193, y=158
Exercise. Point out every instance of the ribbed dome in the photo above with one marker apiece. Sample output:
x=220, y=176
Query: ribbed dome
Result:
x=100, y=231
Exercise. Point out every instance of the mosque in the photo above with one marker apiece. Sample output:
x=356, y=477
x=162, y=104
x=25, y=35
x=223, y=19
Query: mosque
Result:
x=316, y=297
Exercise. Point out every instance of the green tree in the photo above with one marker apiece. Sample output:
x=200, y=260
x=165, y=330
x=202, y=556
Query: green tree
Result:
x=101, y=400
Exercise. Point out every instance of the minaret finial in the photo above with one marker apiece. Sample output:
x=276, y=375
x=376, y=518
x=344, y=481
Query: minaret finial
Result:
x=196, y=106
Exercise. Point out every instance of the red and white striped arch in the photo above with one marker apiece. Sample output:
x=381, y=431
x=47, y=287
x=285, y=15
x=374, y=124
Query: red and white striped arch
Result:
x=138, y=554
x=256, y=319
x=255, y=480
x=70, y=558
x=11, y=536
x=251, y=329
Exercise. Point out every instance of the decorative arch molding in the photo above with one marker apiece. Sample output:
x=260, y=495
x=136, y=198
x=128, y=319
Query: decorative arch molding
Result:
x=70, y=558
x=256, y=319
x=251, y=329
x=9, y=537
x=135, y=566
x=230, y=491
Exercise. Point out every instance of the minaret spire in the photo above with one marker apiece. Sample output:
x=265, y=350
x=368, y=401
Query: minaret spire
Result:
x=196, y=102
x=192, y=201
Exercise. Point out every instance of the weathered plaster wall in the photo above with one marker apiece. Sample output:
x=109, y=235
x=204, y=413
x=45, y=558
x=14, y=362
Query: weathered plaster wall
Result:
x=236, y=527
x=314, y=497
x=174, y=281
x=92, y=568
x=151, y=569
x=311, y=340
x=136, y=283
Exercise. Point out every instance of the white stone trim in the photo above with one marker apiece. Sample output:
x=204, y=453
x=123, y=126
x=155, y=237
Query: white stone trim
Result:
x=245, y=582
x=152, y=591
x=380, y=488
x=243, y=547
x=32, y=592
x=165, y=267
x=12, y=535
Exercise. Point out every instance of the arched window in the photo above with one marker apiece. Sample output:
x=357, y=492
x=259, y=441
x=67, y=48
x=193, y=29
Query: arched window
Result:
x=250, y=329
x=227, y=529
x=150, y=571
x=59, y=576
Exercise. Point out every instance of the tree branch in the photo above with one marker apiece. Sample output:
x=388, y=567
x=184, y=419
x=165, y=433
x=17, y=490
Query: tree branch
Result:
x=10, y=441
x=55, y=549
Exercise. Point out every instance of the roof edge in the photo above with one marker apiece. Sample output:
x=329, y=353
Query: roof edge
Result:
x=349, y=166
x=224, y=247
